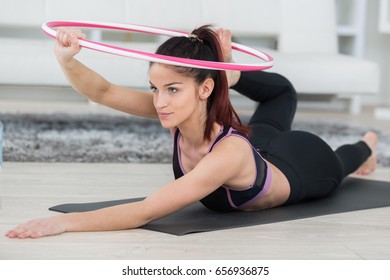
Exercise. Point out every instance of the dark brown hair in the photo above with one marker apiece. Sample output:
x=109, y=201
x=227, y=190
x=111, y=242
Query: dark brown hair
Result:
x=204, y=44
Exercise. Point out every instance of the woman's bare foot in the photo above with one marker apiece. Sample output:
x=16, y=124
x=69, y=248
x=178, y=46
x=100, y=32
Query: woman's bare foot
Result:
x=369, y=165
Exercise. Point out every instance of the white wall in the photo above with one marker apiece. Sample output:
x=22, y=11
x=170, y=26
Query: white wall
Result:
x=377, y=47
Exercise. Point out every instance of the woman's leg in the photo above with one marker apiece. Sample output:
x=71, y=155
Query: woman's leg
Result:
x=359, y=157
x=313, y=168
x=276, y=96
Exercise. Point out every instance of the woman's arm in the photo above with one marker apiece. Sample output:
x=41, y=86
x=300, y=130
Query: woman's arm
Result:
x=93, y=86
x=215, y=169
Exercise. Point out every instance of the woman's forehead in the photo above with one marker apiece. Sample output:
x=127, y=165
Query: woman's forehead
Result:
x=161, y=72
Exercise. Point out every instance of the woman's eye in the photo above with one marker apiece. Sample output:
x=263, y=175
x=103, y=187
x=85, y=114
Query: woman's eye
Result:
x=172, y=90
x=153, y=88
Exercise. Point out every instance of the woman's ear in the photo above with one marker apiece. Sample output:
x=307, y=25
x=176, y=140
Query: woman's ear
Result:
x=206, y=88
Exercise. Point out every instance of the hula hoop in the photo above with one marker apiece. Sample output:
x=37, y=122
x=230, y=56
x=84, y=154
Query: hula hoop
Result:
x=111, y=49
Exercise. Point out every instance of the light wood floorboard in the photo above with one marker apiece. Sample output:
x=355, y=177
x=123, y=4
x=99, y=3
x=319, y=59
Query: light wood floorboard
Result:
x=29, y=189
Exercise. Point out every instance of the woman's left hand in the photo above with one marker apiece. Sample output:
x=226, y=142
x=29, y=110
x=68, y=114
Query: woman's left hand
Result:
x=225, y=37
x=38, y=228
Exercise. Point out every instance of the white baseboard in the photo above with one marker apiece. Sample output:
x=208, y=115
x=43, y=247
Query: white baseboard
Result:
x=382, y=113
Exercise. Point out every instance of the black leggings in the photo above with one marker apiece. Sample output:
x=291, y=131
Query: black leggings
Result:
x=313, y=169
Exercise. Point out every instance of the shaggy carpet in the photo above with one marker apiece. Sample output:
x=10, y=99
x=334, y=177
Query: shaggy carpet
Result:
x=106, y=138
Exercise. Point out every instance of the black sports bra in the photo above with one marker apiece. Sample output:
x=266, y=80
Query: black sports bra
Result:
x=225, y=198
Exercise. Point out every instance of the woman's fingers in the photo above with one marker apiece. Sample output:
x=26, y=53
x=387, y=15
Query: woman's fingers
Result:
x=225, y=36
x=17, y=232
x=67, y=36
x=67, y=45
x=37, y=228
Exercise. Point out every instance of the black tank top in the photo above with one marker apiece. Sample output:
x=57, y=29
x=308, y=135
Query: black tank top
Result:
x=225, y=198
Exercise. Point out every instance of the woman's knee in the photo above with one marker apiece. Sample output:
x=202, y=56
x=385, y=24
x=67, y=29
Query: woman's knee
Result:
x=291, y=93
x=287, y=86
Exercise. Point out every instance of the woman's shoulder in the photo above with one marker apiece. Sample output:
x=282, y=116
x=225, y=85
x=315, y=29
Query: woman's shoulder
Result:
x=234, y=143
x=232, y=136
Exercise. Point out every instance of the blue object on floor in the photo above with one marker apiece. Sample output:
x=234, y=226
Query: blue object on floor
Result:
x=1, y=145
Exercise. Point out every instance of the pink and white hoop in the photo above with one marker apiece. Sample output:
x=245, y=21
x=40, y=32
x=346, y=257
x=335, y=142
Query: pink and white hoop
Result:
x=98, y=46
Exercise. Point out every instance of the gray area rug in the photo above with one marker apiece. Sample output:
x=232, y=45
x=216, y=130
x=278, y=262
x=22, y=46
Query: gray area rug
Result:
x=107, y=138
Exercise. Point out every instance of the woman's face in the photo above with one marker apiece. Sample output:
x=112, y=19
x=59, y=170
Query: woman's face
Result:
x=176, y=97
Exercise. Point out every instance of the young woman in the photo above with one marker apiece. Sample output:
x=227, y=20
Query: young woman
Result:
x=216, y=159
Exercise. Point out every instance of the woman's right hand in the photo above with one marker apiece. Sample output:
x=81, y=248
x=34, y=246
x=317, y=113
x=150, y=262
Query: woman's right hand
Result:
x=67, y=43
x=39, y=228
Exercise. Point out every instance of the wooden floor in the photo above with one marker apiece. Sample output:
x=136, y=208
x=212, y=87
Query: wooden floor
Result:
x=27, y=190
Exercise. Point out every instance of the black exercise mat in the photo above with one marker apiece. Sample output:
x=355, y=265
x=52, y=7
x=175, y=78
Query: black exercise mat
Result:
x=354, y=194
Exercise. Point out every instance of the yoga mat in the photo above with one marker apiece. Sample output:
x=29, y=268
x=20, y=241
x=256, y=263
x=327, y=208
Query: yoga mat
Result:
x=354, y=194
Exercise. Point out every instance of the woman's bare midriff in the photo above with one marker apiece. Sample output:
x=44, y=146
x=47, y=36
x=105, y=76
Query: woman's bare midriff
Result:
x=277, y=194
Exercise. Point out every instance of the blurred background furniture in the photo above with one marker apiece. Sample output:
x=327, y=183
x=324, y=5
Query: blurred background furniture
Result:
x=301, y=35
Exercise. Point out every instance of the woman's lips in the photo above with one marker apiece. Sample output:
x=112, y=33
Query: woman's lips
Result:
x=164, y=114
